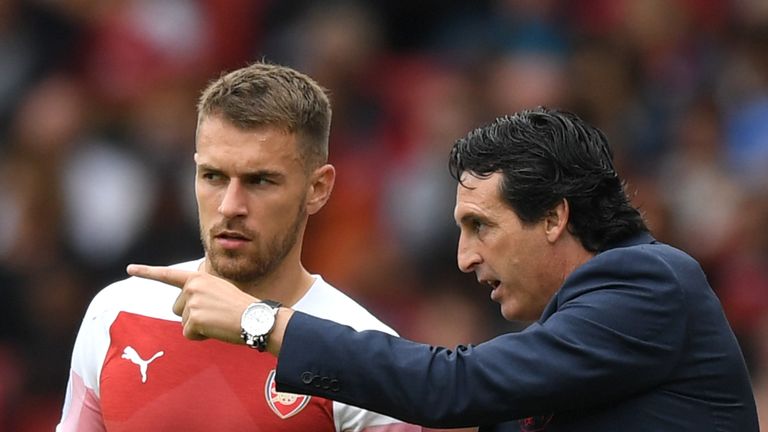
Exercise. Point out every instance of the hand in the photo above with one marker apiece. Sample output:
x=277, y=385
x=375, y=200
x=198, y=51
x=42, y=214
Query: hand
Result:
x=209, y=307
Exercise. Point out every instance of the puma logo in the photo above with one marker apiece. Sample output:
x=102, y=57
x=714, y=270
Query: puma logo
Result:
x=130, y=354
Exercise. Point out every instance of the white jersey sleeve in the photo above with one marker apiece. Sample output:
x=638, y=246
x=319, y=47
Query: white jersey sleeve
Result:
x=82, y=409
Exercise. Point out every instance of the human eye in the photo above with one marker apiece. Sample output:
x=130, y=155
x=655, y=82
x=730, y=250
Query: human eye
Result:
x=473, y=224
x=211, y=176
x=259, y=180
x=477, y=225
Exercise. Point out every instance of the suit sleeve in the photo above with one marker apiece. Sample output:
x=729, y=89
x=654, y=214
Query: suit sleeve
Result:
x=617, y=328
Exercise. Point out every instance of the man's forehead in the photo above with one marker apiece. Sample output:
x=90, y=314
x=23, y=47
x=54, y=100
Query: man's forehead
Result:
x=477, y=194
x=473, y=184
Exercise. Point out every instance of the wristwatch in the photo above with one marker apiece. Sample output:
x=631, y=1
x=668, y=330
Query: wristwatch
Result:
x=257, y=322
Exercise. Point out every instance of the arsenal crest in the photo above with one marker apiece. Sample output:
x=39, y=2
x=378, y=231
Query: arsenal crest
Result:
x=535, y=424
x=283, y=404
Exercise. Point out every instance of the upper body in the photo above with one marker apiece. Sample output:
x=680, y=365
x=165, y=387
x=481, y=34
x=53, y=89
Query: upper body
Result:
x=132, y=369
x=627, y=332
x=261, y=150
x=635, y=340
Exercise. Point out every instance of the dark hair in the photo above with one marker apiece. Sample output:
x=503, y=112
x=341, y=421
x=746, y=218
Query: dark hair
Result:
x=265, y=94
x=545, y=156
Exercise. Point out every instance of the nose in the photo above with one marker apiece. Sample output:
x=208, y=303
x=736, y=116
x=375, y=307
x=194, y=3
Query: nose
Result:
x=234, y=201
x=466, y=255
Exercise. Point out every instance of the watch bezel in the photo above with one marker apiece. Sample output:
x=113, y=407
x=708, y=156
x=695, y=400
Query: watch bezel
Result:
x=256, y=331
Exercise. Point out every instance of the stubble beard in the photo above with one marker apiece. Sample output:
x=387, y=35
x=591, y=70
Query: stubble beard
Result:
x=252, y=266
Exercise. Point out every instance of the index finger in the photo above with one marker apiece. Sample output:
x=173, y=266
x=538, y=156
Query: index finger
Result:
x=172, y=276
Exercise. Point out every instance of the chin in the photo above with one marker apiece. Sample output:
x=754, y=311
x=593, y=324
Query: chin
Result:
x=233, y=268
x=510, y=313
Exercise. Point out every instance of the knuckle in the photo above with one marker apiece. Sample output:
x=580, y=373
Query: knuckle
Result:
x=195, y=283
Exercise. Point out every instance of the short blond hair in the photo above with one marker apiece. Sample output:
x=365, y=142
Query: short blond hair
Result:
x=264, y=94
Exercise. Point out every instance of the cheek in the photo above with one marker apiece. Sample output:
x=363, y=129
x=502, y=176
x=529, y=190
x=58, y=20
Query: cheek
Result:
x=281, y=207
x=203, y=195
x=207, y=206
x=204, y=204
x=272, y=215
x=519, y=265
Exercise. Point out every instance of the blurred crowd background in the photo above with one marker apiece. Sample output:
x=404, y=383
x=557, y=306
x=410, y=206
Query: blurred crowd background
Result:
x=97, y=122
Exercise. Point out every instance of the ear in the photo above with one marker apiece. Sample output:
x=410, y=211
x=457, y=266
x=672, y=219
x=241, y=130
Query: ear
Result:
x=320, y=187
x=556, y=221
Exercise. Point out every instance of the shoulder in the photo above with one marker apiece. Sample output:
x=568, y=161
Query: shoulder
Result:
x=327, y=302
x=656, y=266
x=646, y=280
x=657, y=256
x=137, y=295
x=640, y=291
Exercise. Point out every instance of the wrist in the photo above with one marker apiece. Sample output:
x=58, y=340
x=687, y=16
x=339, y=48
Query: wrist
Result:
x=257, y=322
x=275, y=341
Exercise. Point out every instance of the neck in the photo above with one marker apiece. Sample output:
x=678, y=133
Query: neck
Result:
x=574, y=256
x=288, y=283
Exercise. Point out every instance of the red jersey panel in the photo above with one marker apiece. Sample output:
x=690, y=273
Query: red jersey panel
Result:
x=153, y=379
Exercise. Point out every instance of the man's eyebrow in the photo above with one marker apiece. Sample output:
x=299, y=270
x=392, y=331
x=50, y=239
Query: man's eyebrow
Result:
x=470, y=217
x=255, y=173
x=208, y=167
x=272, y=174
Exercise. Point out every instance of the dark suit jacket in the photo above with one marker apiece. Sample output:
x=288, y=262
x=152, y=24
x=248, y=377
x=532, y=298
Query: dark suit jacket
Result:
x=635, y=340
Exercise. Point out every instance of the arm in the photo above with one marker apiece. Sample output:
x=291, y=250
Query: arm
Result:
x=615, y=328
x=614, y=338
x=82, y=409
x=82, y=405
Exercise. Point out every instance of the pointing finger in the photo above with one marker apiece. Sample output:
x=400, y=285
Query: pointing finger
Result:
x=172, y=276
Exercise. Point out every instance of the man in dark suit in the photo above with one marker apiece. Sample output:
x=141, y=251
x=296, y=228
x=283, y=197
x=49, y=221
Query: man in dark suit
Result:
x=628, y=334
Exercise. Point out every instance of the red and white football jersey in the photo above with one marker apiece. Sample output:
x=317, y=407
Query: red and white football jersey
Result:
x=133, y=370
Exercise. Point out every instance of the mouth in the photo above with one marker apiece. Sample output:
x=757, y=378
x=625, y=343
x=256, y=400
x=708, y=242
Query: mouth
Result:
x=494, y=284
x=231, y=239
x=232, y=235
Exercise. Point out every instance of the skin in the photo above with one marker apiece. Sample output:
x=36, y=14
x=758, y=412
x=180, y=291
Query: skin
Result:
x=526, y=264
x=254, y=196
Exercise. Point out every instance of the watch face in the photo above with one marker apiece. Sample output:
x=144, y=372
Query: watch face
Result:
x=258, y=319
